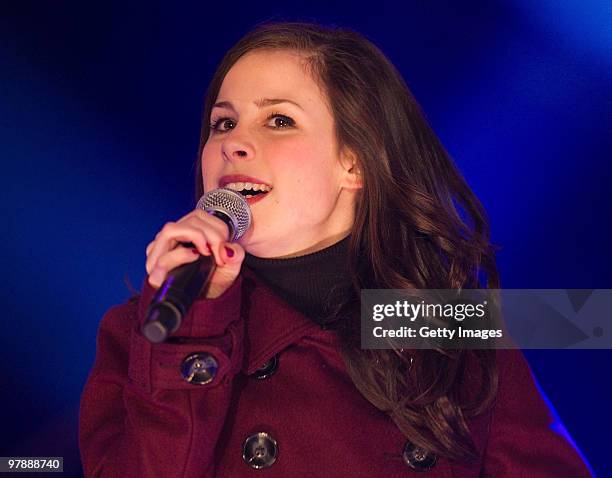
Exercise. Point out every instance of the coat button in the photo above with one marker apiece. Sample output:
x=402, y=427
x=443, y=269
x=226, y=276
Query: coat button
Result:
x=266, y=369
x=260, y=450
x=199, y=368
x=418, y=458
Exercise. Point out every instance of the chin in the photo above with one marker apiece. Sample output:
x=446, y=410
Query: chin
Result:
x=251, y=242
x=259, y=244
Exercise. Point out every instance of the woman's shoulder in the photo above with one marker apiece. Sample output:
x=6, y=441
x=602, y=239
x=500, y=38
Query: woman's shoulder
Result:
x=125, y=314
x=512, y=366
x=121, y=317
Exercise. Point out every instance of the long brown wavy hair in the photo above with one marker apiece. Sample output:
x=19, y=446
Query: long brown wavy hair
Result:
x=418, y=225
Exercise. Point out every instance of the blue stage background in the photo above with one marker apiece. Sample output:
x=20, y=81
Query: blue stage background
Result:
x=99, y=120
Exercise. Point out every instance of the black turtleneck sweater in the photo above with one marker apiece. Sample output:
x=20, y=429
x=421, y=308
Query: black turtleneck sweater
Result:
x=313, y=283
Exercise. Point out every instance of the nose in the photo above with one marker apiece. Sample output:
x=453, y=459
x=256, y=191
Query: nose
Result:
x=235, y=149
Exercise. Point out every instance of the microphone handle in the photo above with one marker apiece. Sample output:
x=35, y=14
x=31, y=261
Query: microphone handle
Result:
x=174, y=298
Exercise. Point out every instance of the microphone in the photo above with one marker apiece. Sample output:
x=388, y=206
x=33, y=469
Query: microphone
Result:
x=185, y=283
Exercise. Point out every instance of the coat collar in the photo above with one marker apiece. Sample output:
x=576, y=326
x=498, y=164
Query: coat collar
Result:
x=271, y=324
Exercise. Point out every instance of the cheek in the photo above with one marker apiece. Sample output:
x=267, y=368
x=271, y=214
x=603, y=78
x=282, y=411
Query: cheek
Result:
x=309, y=172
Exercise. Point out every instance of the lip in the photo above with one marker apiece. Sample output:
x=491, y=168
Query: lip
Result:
x=240, y=178
x=254, y=199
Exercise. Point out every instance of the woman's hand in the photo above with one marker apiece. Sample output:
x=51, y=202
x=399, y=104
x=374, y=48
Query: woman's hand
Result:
x=209, y=235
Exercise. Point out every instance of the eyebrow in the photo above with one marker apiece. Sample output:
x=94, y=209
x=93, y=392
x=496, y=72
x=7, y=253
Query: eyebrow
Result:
x=259, y=103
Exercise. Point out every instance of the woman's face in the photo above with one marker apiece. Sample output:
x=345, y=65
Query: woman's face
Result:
x=271, y=123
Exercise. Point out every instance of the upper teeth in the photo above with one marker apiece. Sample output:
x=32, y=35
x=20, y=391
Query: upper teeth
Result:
x=251, y=186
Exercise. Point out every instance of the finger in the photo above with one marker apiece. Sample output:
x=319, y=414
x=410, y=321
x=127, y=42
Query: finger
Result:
x=211, y=221
x=216, y=249
x=231, y=252
x=216, y=234
x=169, y=237
x=157, y=254
x=158, y=246
x=214, y=228
x=149, y=247
x=169, y=261
x=208, y=220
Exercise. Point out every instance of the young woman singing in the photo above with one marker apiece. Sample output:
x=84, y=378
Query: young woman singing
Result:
x=349, y=189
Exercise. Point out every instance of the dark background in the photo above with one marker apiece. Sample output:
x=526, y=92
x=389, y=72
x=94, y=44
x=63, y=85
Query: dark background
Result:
x=99, y=120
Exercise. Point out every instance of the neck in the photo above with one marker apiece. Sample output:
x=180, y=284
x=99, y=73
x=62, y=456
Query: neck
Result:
x=313, y=280
x=317, y=246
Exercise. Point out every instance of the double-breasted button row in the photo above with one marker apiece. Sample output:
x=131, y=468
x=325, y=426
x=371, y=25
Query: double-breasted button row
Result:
x=260, y=450
x=267, y=369
x=199, y=368
x=418, y=458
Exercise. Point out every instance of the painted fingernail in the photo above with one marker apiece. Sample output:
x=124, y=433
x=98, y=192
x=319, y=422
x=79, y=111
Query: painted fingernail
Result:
x=195, y=251
x=230, y=252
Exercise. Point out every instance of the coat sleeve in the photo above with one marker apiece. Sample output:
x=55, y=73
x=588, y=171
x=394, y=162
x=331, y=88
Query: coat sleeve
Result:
x=138, y=415
x=525, y=437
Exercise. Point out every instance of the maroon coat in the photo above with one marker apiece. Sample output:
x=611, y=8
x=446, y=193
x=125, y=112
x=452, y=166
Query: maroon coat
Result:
x=277, y=394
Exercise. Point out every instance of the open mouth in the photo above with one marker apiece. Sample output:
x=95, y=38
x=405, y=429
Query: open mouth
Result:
x=249, y=190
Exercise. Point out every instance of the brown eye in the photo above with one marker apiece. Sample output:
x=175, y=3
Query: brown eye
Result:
x=223, y=124
x=280, y=121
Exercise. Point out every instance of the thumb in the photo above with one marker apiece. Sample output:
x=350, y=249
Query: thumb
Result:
x=232, y=254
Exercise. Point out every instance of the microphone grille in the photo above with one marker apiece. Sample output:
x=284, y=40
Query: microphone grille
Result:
x=233, y=205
